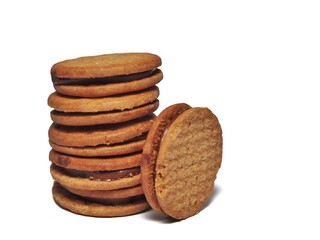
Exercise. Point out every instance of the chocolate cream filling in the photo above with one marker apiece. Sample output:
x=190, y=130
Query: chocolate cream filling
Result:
x=102, y=175
x=102, y=80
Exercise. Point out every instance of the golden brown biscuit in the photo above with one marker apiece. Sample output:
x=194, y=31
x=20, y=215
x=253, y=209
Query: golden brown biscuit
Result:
x=79, y=205
x=90, y=181
x=65, y=103
x=102, y=150
x=181, y=158
x=109, y=89
x=106, y=65
x=86, y=119
x=151, y=148
x=95, y=163
x=99, y=134
x=117, y=193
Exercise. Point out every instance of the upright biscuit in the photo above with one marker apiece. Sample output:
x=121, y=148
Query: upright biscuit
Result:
x=151, y=148
x=178, y=176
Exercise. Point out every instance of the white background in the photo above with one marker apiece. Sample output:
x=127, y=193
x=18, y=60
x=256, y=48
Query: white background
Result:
x=255, y=64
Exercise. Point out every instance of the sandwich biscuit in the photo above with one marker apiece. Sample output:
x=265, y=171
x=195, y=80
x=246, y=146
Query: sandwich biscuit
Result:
x=99, y=134
x=181, y=158
x=96, y=180
x=116, y=116
x=89, y=207
x=121, y=102
x=109, y=88
x=95, y=163
x=101, y=66
x=130, y=146
x=109, y=194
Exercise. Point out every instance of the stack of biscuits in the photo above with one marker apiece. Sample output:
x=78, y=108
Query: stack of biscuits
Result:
x=103, y=108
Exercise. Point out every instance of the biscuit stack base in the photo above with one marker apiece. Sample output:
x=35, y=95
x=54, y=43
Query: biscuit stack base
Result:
x=103, y=109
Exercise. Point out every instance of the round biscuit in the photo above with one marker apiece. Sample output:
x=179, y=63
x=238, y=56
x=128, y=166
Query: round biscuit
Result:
x=109, y=89
x=99, y=134
x=105, y=65
x=86, y=119
x=101, y=150
x=188, y=160
x=66, y=103
x=151, y=148
x=76, y=204
x=87, y=184
x=95, y=163
x=117, y=193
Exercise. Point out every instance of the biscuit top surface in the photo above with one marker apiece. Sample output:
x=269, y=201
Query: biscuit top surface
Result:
x=106, y=65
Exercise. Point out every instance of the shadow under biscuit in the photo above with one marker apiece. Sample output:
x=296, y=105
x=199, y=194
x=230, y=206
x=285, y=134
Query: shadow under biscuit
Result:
x=216, y=192
x=161, y=218
x=158, y=217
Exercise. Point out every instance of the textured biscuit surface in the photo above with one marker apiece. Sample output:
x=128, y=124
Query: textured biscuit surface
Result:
x=109, y=89
x=65, y=103
x=81, y=206
x=151, y=148
x=86, y=119
x=188, y=160
x=105, y=65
